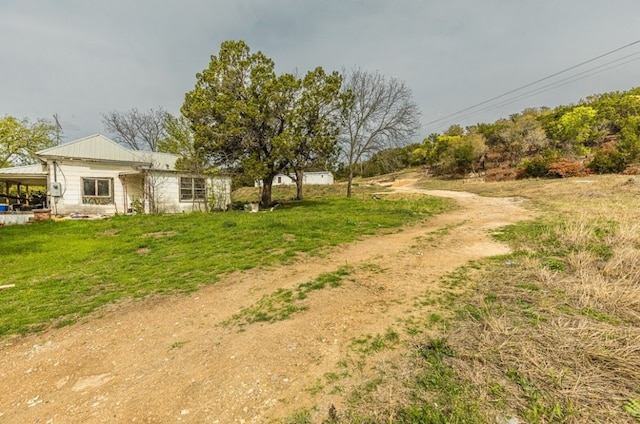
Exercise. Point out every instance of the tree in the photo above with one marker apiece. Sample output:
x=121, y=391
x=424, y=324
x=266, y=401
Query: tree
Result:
x=521, y=135
x=179, y=140
x=573, y=128
x=237, y=108
x=433, y=149
x=390, y=160
x=454, y=151
x=578, y=126
x=629, y=138
x=20, y=139
x=380, y=114
x=312, y=125
x=466, y=152
x=136, y=130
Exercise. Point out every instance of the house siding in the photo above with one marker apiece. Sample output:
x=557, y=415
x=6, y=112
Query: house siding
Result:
x=70, y=174
x=128, y=187
x=169, y=201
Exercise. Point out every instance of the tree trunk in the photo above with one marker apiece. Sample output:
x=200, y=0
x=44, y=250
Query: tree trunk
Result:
x=299, y=184
x=350, y=180
x=267, y=183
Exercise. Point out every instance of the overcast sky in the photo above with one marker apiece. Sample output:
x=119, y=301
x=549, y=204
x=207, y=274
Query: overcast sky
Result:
x=82, y=58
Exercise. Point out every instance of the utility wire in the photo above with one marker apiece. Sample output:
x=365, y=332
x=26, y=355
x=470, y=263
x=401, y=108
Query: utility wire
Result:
x=565, y=81
x=532, y=83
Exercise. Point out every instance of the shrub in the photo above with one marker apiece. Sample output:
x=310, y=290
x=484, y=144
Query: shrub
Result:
x=607, y=160
x=534, y=167
x=500, y=174
x=632, y=170
x=538, y=166
x=565, y=168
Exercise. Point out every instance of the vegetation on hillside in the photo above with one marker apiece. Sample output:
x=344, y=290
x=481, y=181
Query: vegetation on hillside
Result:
x=600, y=134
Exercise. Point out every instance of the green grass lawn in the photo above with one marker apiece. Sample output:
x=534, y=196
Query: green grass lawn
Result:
x=64, y=270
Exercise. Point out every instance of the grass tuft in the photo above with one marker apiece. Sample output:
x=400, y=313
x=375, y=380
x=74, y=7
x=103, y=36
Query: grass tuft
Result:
x=283, y=303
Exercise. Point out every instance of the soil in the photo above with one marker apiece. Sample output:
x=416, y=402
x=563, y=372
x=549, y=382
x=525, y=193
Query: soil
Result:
x=170, y=359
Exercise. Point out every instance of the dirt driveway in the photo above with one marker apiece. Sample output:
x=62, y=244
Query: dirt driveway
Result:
x=169, y=359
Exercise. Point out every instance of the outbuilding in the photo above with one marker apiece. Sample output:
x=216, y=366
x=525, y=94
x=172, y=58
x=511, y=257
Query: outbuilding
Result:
x=312, y=177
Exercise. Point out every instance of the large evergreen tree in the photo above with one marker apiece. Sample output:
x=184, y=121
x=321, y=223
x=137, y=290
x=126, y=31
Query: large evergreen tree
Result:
x=244, y=116
x=237, y=108
x=310, y=140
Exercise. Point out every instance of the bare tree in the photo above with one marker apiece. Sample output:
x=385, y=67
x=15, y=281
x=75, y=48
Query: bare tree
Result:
x=381, y=114
x=136, y=130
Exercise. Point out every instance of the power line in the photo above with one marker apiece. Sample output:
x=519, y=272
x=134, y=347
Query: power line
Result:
x=532, y=83
x=552, y=86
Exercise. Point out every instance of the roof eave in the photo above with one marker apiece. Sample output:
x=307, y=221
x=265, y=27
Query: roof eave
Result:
x=82, y=159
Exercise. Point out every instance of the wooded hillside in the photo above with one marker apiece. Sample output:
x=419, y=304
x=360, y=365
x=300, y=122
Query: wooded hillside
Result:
x=599, y=134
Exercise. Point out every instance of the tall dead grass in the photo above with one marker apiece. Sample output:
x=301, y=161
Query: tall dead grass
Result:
x=562, y=344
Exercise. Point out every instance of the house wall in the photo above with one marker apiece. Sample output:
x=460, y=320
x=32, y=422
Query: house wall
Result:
x=157, y=191
x=70, y=175
x=167, y=189
x=282, y=179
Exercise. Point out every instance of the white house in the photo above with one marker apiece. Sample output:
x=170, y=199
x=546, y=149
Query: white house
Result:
x=95, y=175
x=316, y=177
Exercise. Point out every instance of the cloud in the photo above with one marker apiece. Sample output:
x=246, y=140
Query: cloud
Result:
x=81, y=58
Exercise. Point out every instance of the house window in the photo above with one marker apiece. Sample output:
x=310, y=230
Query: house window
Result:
x=192, y=189
x=279, y=180
x=97, y=191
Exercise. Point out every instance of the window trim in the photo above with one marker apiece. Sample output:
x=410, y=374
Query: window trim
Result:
x=192, y=189
x=94, y=198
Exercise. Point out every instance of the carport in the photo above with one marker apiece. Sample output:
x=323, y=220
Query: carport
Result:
x=22, y=178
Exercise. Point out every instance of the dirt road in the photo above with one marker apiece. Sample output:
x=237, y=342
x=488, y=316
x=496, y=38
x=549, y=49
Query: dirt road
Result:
x=169, y=359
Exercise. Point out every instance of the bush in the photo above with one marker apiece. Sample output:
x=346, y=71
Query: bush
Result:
x=632, y=170
x=534, y=167
x=500, y=174
x=565, y=168
x=608, y=160
x=538, y=166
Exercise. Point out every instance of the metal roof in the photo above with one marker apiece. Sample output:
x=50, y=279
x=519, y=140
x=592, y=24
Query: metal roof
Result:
x=157, y=160
x=37, y=169
x=28, y=174
x=96, y=147
x=102, y=149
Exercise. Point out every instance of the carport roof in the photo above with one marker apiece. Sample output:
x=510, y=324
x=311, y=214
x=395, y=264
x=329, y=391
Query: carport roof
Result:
x=27, y=175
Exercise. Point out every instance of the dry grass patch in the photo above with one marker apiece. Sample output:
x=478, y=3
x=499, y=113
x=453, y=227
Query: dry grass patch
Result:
x=534, y=350
x=552, y=333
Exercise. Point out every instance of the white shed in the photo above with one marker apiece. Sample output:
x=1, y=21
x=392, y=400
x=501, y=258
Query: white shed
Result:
x=312, y=177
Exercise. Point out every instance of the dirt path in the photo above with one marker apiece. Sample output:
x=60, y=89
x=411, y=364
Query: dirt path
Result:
x=170, y=359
